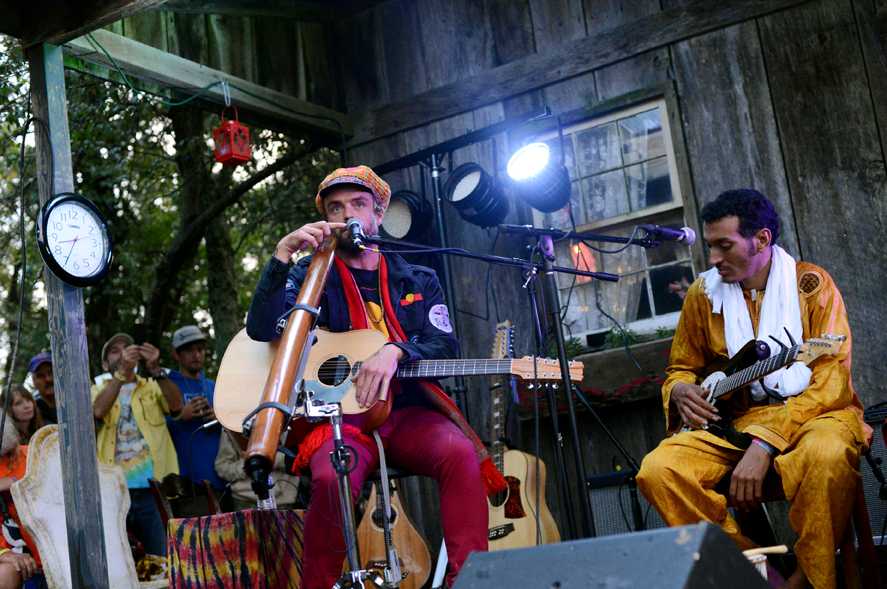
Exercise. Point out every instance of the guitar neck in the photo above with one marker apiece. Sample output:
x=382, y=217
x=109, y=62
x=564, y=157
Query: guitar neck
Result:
x=756, y=371
x=445, y=368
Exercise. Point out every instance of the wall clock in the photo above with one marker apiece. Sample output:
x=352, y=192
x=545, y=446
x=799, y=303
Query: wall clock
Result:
x=73, y=239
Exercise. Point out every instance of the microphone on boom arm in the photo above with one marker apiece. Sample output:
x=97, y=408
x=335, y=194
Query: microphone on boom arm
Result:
x=355, y=232
x=684, y=235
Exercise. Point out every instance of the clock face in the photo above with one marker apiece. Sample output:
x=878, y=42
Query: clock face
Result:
x=73, y=239
x=76, y=240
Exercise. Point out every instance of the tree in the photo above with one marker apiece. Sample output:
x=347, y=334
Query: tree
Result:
x=189, y=237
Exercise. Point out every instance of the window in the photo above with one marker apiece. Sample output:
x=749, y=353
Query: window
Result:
x=623, y=173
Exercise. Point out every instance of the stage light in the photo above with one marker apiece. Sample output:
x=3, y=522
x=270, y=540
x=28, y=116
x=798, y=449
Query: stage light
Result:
x=476, y=195
x=539, y=179
x=408, y=216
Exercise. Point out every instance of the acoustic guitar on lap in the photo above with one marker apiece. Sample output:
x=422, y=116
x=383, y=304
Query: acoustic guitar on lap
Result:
x=513, y=512
x=332, y=364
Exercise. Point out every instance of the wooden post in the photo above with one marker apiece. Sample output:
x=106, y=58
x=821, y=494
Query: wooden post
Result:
x=83, y=513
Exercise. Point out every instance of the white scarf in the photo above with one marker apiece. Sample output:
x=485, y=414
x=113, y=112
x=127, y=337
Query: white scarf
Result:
x=781, y=310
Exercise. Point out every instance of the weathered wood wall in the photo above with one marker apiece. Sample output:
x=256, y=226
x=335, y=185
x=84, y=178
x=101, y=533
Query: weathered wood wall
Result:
x=787, y=97
x=284, y=54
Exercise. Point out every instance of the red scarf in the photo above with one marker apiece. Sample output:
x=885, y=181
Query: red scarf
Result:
x=493, y=480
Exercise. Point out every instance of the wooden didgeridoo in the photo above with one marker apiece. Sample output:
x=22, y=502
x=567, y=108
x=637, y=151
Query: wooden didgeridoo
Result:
x=266, y=430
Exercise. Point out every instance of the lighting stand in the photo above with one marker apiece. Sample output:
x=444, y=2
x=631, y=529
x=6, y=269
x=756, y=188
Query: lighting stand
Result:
x=434, y=166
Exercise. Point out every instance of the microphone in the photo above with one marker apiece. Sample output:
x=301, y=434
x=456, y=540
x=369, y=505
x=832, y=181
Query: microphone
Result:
x=355, y=232
x=684, y=235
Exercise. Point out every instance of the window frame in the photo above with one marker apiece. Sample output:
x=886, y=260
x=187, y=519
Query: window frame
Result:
x=680, y=179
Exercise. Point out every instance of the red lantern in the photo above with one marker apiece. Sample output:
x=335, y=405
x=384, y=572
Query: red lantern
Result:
x=231, y=139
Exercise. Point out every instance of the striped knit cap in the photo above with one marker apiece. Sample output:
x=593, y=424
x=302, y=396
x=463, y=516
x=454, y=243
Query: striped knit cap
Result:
x=359, y=175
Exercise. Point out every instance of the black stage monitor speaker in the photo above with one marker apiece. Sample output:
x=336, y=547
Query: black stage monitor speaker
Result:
x=690, y=557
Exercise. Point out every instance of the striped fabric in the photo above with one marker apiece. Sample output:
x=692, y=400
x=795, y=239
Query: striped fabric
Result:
x=252, y=549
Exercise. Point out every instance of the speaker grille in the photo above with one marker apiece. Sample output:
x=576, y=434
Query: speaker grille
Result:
x=612, y=511
x=877, y=506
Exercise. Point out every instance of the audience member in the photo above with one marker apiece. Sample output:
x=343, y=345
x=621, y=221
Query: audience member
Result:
x=40, y=368
x=19, y=559
x=24, y=413
x=197, y=442
x=229, y=465
x=132, y=431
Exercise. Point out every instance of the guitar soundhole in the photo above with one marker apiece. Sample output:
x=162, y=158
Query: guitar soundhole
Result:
x=379, y=517
x=334, y=371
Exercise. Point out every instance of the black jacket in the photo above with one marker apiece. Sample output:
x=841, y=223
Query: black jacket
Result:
x=424, y=321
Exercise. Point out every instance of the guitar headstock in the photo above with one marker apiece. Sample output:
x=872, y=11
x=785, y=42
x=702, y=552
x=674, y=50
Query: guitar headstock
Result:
x=503, y=342
x=546, y=369
x=813, y=348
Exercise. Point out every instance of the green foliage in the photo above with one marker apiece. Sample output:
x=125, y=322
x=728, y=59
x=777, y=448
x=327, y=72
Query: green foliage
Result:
x=123, y=151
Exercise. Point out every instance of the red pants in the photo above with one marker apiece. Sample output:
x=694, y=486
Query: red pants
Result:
x=420, y=441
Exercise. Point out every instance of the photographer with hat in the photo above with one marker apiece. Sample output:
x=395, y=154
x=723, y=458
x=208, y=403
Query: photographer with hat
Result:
x=196, y=441
x=131, y=412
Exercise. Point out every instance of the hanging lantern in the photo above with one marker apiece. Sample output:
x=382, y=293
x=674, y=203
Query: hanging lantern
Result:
x=231, y=139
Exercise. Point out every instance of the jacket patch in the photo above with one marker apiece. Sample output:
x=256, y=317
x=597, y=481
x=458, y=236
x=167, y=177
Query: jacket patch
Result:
x=439, y=316
x=810, y=282
x=411, y=298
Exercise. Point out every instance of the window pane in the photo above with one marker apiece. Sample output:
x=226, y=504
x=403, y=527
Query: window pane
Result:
x=560, y=218
x=670, y=286
x=569, y=161
x=605, y=195
x=667, y=251
x=598, y=149
x=642, y=137
x=625, y=300
x=649, y=184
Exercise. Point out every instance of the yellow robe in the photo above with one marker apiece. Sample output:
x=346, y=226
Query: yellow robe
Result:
x=819, y=434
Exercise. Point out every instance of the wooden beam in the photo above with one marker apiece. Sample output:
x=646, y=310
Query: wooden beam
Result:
x=568, y=60
x=303, y=10
x=160, y=67
x=55, y=21
x=67, y=330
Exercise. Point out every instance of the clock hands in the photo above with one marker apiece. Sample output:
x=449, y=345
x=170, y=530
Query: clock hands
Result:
x=71, y=251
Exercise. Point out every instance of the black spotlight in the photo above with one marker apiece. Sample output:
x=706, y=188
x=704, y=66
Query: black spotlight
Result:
x=408, y=216
x=476, y=195
x=543, y=183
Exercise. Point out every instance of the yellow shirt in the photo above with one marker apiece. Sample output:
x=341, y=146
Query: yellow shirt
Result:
x=150, y=409
x=699, y=341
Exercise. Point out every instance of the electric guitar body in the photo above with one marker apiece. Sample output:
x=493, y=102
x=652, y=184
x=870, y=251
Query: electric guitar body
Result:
x=512, y=515
x=412, y=550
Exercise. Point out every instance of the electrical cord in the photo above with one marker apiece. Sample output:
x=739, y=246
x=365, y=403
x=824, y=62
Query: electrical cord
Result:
x=202, y=91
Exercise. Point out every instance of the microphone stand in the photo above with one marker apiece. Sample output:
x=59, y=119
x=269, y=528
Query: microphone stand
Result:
x=546, y=246
x=532, y=270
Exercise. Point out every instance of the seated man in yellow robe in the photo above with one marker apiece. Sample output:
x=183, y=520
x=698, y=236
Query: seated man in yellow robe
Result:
x=808, y=427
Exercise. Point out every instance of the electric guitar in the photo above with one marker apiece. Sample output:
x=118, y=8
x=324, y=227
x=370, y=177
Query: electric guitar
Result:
x=512, y=517
x=412, y=549
x=332, y=364
x=752, y=363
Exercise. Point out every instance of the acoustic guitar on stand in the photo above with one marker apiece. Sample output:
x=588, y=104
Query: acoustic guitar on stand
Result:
x=412, y=549
x=513, y=512
x=332, y=365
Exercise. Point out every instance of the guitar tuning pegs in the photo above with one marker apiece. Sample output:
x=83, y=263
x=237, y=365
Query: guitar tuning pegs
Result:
x=781, y=345
x=789, y=335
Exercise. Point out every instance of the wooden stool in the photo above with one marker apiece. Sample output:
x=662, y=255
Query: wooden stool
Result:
x=865, y=558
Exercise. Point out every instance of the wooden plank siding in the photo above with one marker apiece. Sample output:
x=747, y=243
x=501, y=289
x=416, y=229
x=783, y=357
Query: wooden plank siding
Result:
x=834, y=164
x=786, y=97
